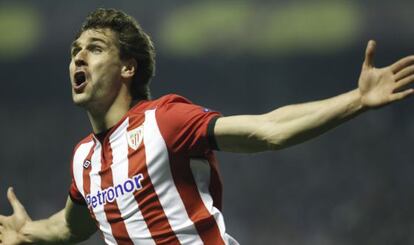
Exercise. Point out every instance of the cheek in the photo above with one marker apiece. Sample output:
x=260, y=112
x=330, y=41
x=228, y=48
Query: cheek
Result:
x=108, y=71
x=71, y=71
x=106, y=78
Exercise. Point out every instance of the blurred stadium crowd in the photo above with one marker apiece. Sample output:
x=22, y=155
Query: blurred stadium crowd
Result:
x=351, y=186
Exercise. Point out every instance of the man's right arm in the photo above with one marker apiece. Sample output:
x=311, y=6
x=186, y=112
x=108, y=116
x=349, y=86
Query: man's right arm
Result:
x=70, y=225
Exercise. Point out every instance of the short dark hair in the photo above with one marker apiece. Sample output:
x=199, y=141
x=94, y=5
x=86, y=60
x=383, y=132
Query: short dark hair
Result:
x=133, y=43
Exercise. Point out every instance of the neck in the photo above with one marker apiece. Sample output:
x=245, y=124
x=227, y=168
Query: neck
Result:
x=103, y=117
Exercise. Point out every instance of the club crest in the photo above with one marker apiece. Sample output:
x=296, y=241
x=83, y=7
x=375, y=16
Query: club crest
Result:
x=135, y=137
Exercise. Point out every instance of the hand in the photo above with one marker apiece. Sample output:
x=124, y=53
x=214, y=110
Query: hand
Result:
x=11, y=226
x=381, y=86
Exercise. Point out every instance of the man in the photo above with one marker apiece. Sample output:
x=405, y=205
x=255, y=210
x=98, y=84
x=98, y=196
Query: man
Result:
x=147, y=174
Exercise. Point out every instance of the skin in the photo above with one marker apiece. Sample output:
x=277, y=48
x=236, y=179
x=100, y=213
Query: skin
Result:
x=106, y=99
x=106, y=96
x=293, y=124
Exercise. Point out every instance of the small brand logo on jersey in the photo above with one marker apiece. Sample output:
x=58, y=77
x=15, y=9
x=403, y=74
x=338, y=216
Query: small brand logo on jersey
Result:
x=135, y=137
x=86, y=163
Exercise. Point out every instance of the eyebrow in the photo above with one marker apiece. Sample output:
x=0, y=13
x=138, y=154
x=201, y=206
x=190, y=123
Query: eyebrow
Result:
x=95, y=39
x=75, y=43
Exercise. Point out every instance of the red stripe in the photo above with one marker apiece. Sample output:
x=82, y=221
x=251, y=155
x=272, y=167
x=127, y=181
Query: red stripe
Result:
x=215, y=187
x=147, y=198
x=87, y=184
x=87, y=179
x=204, y=222
x=113, y=215
x=183, y=127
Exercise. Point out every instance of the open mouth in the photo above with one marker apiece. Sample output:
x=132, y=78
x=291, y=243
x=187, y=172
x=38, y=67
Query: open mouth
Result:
x=80, y=78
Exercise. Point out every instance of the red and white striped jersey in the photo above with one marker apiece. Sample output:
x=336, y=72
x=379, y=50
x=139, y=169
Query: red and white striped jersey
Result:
x=153, y=178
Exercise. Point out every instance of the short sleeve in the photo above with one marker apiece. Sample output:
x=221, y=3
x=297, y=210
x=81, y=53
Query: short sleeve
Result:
x=74, y=193
x=186, y=127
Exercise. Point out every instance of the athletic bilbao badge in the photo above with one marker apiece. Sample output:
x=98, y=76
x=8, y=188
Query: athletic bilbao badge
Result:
x=135, y=137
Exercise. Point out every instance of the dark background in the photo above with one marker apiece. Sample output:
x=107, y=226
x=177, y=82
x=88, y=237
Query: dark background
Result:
x=350, y=186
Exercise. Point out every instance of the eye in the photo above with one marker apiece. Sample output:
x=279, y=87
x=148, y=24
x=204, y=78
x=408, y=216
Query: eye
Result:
x=95, y=49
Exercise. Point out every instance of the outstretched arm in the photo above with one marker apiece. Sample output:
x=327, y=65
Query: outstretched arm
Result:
x=294, y=124
x=71, y=224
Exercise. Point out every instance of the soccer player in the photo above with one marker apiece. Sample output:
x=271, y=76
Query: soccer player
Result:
x=147, y=174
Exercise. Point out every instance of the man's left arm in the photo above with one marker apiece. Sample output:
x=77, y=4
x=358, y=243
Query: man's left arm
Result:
x=294, y=124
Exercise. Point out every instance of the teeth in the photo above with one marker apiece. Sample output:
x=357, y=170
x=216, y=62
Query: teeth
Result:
x=80, y=77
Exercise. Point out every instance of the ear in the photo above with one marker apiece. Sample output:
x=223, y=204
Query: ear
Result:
x=129, y=68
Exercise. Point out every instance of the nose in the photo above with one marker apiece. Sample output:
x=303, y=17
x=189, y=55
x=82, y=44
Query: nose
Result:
x=80, y=59
x=80, y=62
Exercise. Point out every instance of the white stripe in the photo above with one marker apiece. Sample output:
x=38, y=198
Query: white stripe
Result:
x=79, y=157
x=159, y=171
x=128, y=206
x=95, y=180
x=201, y=172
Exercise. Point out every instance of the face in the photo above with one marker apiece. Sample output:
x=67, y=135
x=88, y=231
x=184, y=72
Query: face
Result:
x=95, y=68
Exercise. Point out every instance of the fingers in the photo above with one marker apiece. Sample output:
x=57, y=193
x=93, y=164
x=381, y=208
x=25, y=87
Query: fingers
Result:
x=402, y=63
x=400, y=85
x=407, y=71
x=15, y=203
x=2, y=219
x=405, y=81
x=402, y=95
x=369, y=54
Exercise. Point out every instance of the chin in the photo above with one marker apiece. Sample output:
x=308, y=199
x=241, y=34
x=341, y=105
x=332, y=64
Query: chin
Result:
x=80, y=100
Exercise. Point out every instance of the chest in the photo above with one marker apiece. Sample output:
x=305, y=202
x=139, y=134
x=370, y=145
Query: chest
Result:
x=125, y=163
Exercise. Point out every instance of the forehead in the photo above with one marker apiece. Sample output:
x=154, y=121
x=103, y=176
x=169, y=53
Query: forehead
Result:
x=105, y=36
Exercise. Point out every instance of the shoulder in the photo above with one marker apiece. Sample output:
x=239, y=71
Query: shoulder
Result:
x=87, y=140
x=173, y=98
x=159, y=102
x=169, y=99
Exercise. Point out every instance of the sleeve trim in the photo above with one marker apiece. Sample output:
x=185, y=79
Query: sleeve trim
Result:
x=210, y=133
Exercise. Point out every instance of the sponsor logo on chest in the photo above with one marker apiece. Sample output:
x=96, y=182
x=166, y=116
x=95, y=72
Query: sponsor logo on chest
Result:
x=109, y=195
